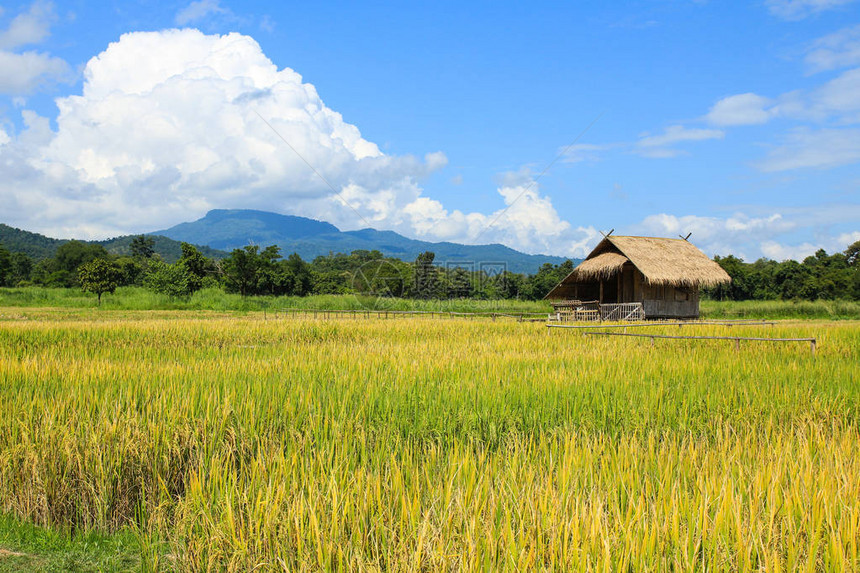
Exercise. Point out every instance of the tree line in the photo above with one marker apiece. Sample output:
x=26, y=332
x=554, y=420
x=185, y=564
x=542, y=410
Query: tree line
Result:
x=251, y=271
x=818, y=276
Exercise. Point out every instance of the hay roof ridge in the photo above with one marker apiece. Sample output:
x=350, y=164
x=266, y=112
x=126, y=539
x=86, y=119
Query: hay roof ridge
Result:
x=662, y=261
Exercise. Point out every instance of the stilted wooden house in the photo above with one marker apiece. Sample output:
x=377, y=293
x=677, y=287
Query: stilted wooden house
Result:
x=638, y=277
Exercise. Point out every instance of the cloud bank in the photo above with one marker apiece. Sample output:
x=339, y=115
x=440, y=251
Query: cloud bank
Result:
x=170, y=124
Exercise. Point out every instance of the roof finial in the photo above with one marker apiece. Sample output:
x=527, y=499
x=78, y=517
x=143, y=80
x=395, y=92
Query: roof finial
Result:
x=687, y=237
x=605, y=235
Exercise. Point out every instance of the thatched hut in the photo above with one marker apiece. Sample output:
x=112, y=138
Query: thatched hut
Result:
x=663, y=275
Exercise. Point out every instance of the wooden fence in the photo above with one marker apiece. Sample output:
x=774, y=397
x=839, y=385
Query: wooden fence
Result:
x=390, y=314
x=655, y=323
x=737, y=339
x=622, y=311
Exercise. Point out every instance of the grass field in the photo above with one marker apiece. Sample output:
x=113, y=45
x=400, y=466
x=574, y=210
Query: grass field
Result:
x=216, y=441
x=214, y=299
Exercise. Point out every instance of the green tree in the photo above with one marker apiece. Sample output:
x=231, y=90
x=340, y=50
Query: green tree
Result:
x=142, y=247
x=271, y=276
x=790, y=278
x=459, y=283
x=99, y=276
x=330, y=281
x=131, y=269
x=22, y=268
x=196, y=266
x=240, y=270
x=170, y=280
x=547, y=277
x=507, y=285
x=300, y=272
x=70, y=256
x=741, y=287
x=5, y=266
x=426, y=277
x=852, y=254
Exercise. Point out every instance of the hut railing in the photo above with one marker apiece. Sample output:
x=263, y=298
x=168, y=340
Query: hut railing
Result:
x=575, y=310
x=622, y=311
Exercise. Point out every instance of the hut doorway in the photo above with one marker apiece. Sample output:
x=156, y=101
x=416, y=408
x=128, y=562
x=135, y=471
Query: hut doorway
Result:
x=627, y=284
x=609, y=290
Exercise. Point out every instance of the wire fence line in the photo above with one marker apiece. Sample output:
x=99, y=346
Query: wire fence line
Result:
x=737, y=339
x=656, y=323
x=391, y=314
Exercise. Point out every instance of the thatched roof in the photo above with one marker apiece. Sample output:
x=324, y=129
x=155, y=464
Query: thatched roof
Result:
x=602, y=266
x=669, y=262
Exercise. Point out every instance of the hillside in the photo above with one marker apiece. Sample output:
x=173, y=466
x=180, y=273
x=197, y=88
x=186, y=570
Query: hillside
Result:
x=169, y=249
x=33, y=245
x=38, y=246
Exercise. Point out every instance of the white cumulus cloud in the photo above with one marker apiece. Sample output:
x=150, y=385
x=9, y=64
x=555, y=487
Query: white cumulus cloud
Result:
x=736, y=235
x=781, y=252
x=173, y=123
x=740, y=109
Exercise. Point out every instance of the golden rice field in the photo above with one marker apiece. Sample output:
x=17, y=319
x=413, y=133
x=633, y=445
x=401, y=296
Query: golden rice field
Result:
x=230, y=443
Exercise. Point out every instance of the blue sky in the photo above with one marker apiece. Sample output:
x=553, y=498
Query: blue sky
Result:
x=536, y=126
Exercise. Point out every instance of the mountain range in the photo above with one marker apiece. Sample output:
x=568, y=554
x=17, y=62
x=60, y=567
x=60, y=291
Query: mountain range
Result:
x=222, y=230
x=234, y=228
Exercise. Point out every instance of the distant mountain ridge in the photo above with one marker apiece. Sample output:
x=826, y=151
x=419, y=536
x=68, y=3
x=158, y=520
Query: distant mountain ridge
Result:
x=227, y=229
x=38, y=246
x=222, y=230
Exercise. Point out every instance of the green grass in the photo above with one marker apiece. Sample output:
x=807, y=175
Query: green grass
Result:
x=137, y=298
x=25, y=547
x=778, y=309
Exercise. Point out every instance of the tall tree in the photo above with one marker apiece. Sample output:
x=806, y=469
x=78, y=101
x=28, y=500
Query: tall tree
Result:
x=5, y=266
x=72, y=255
x=170, y=280
x=22, y=268
x=142, y=247
x=852, y=254
x=426, y=283
x=99, y=276
x=195, y=266
x=301, y=274
x=459, y=283
x=240, y=270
